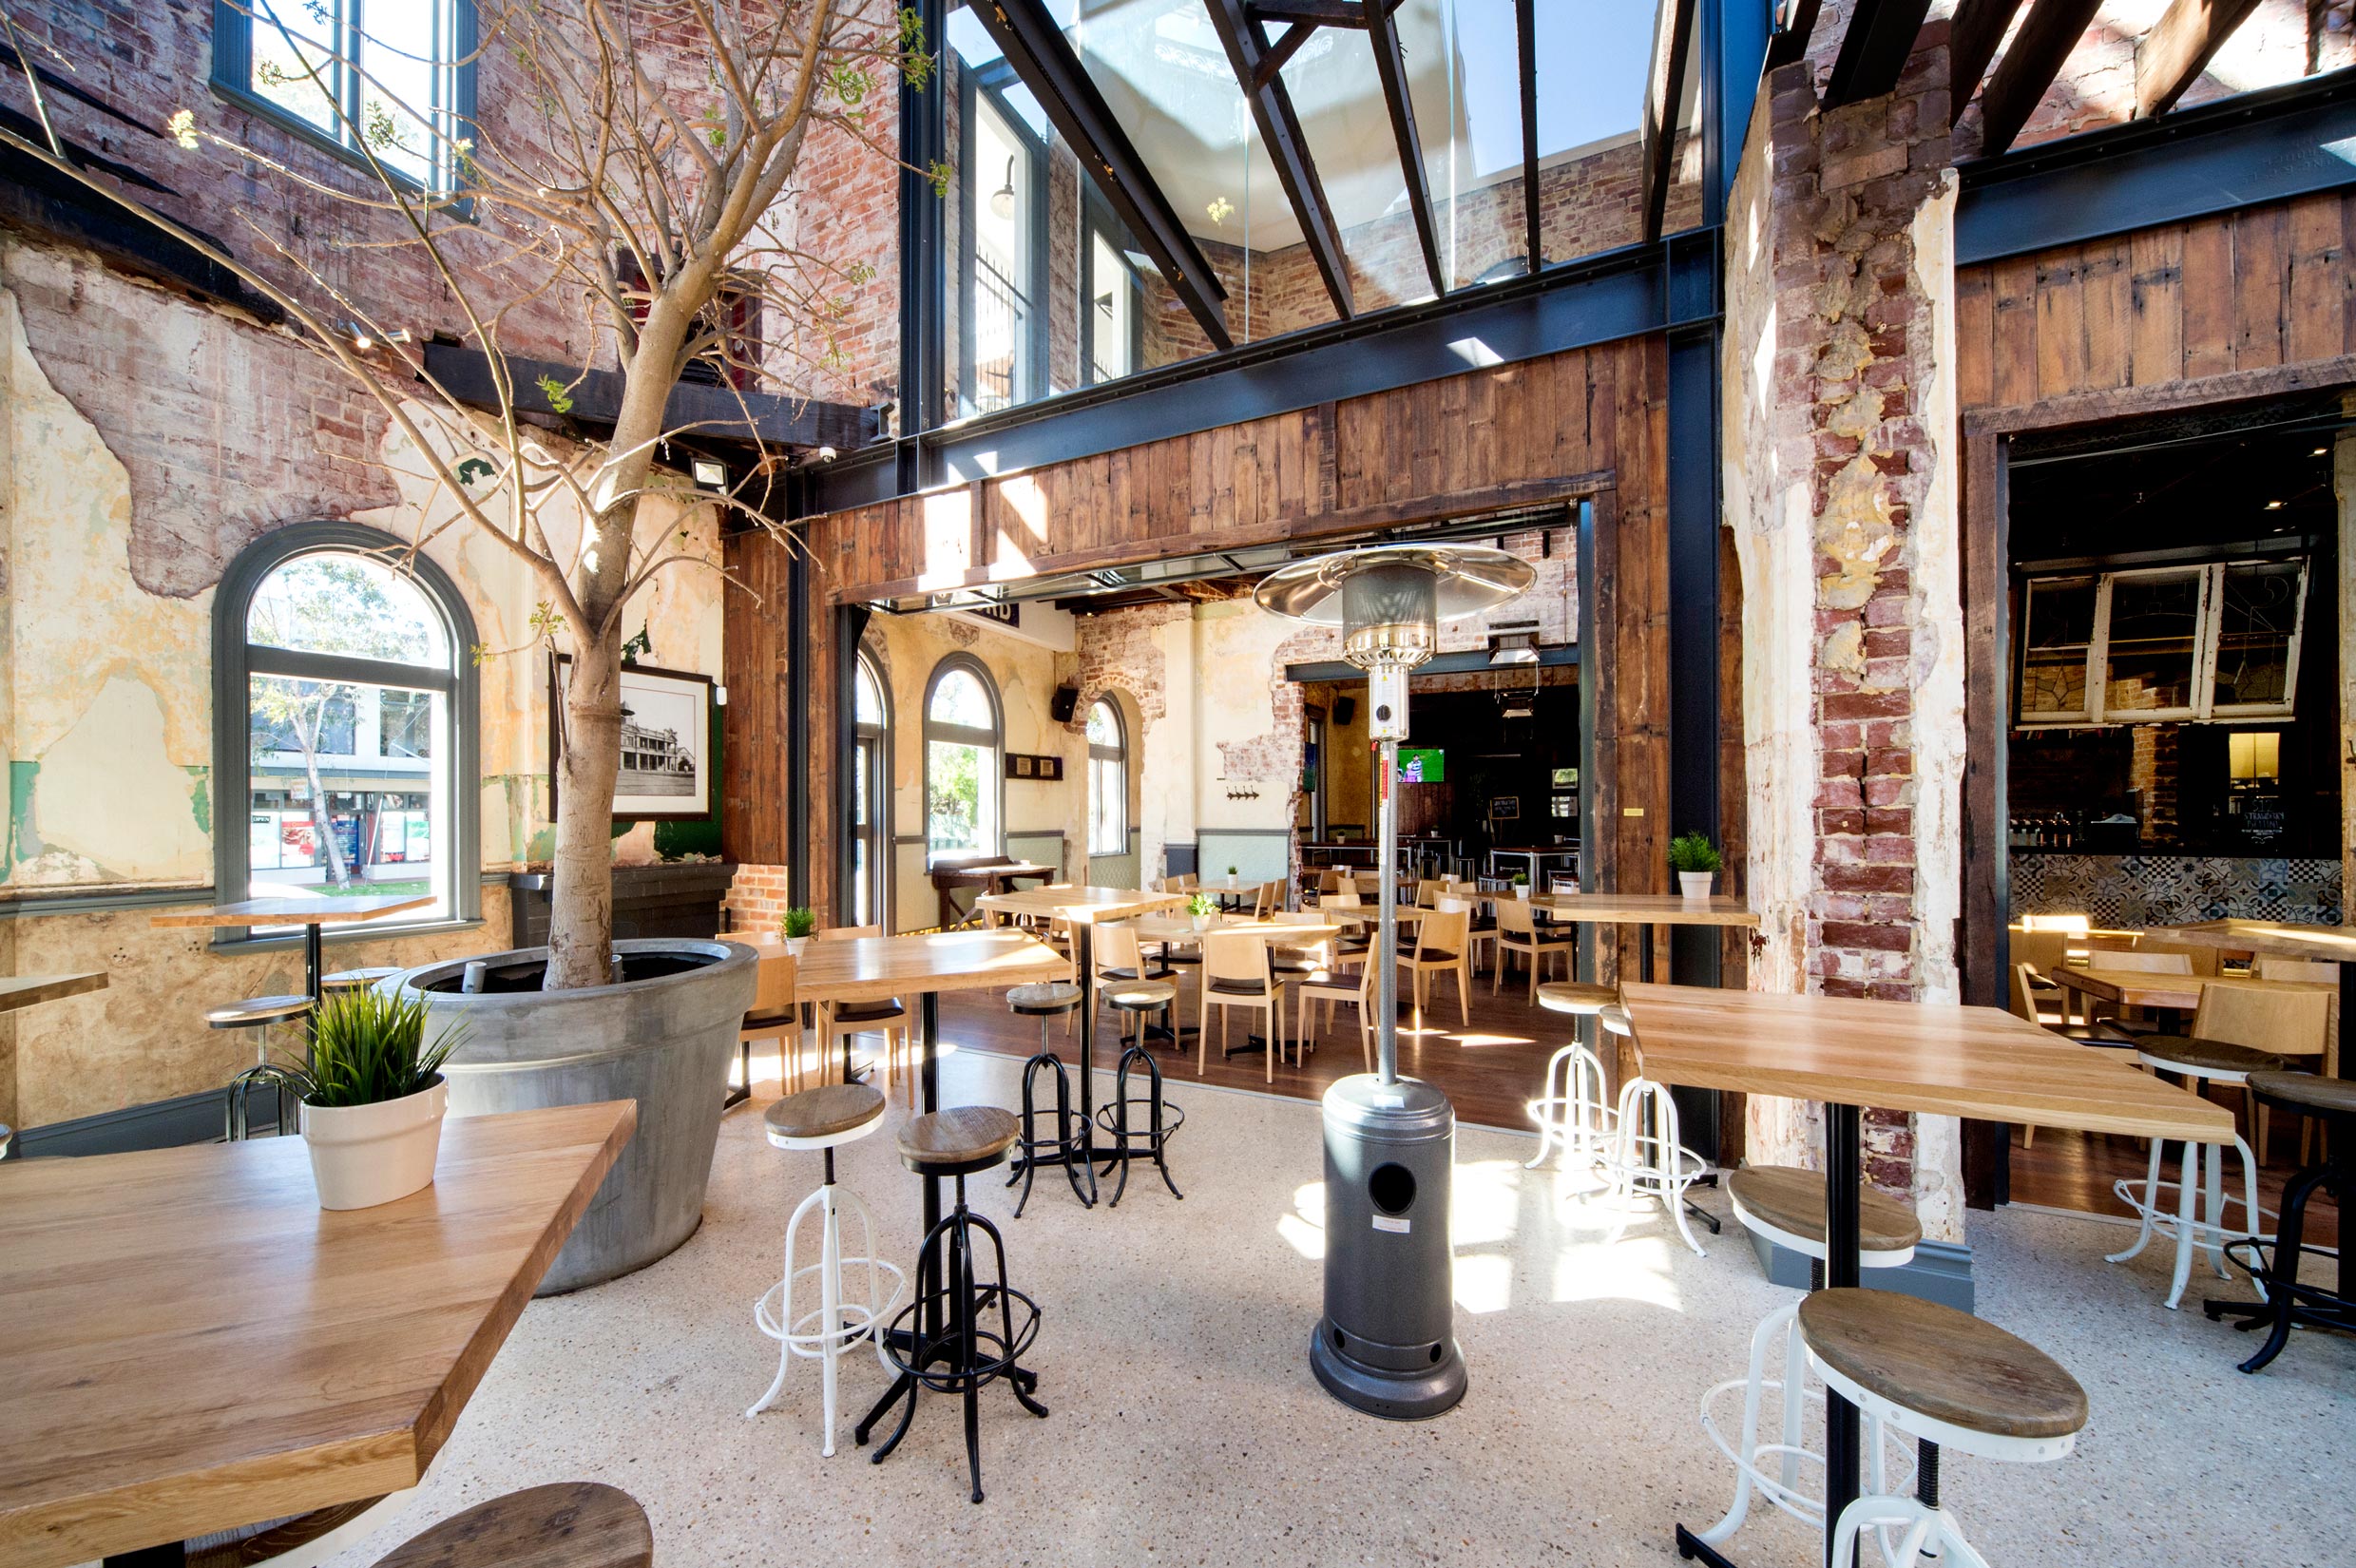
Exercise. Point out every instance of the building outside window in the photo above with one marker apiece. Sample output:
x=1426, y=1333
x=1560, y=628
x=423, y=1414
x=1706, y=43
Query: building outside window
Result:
x=963, y=792
x=1108, y=781
x=394, y=76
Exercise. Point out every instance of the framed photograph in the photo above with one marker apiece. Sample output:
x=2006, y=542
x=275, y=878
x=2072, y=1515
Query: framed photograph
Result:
x=1052, y=768
x=1504, y=806
x=1566, y=805
x=1021, y=766
x=1566, y=778
x=666, y=742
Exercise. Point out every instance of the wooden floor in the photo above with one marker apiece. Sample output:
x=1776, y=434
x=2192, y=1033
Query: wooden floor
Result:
x=2074, y=1171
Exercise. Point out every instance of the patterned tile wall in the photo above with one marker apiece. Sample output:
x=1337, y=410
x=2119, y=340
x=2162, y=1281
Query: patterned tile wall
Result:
x=2137, y=889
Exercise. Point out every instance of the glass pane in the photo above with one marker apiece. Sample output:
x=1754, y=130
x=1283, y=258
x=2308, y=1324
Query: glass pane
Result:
x=347, y=794
x=1104, y=729
x=2257, y=616
x=2153, y=632
x=294, y=59
x=398, y=47
x=2060, y=618
x=959, y=699
x=347, y=604
x=959, y=800
x=869, y=702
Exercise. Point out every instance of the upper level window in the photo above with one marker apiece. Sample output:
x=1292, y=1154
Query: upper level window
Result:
x=962, y=790
x=1108, y=781
x=2161, y=645
x=394, y=76
x=353, y=766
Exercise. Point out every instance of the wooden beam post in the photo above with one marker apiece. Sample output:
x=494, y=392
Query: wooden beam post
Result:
x=2029, y=68
x=2179, y=47
x=1391, y=65
x=1874, y=50
x=1980, y=26
x=1664, y=87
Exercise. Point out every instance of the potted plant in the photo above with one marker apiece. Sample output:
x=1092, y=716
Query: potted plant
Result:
x=1696, y=861
x=1203, y=908
x=1521, y=884
x=796, y=928
x=373, y=1097
x=1231, y=876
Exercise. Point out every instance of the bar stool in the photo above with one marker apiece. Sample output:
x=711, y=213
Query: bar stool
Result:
x=1138, y=999
x=1070, y=1145
x=1574, y=1107
x=1943, y=1377
x=1785, y=1205
x=356, y=980
x=825, y=1119
x=1163, y=1120
x=944, y=1340
x=1644, y=1156
x=2288, y=1304
x=260, y=1014
x=2202, y=1170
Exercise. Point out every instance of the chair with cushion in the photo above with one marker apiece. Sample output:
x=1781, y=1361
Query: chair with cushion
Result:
x=575, y=1525
x=1518, y=936
x=1239, y=970
x=1443, y=946
x=842, y=1022
x=1338, y=986
x=2305, y=971
x=775, y=1015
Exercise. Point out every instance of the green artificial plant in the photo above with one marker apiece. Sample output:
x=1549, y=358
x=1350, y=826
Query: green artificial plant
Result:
x=798, y=923
x=371, y=1047
x=1693, y=852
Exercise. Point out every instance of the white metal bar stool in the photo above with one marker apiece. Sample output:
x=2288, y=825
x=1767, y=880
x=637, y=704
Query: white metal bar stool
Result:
x=1643, y=1157
x=2201, y=1171
x=1944, y=1377
x=1574, y=1107
x=826, y=1119
x=1785, y=1205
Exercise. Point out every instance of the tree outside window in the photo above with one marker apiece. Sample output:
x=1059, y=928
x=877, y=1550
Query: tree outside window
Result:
x=1108, y=781
x=962, y=785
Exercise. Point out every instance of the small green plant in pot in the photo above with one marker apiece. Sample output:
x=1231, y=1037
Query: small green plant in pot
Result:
x=1521, y=884
x=1696, y=861
x=373, y=1097
x=1204, y=910
x=795, y=928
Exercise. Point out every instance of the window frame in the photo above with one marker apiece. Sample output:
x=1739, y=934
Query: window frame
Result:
x=2207, y=635
x=1116, y=754
x=233, y=670
x=1032, y=377
x=876, y=736
x=232, y=81
x=994, y=741
x=1101, y=224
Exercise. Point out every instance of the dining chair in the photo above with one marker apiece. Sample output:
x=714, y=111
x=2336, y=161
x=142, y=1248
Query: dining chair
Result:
x=2045, y=952
x=1264, y=903
x=1479, y=933
x=2098, y=1034
x=1239, y=971
x=1329, y=989
x=2141, y=960
x=839, y=1022
x=1120, y=955
x=2203, y=960
x=1443, y=946
x=2304, y=971
x=2296, y=1025
x=1518, y=933
x=775, y=1015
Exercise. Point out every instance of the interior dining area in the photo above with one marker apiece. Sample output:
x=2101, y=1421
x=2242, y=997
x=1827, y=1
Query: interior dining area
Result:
x=1338, y=782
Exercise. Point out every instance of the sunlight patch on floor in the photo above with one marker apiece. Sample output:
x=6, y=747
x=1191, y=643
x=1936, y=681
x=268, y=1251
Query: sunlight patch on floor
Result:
x=1303, y=1229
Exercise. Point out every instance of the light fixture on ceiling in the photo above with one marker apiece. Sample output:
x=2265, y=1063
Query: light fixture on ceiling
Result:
x=2273, y=506
x=1515, y=642
x=1002, y=200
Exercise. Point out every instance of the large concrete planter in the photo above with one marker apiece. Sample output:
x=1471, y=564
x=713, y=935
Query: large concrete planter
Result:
x=662, y=1038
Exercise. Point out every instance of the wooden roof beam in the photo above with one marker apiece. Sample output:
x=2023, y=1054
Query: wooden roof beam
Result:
x=1526, y=45
x=1972, y=42
x=1391, y=65
x=1664, y=87
x=1874, y=50
x=1288, y=146
x=2027, y=68
x=2179, y=47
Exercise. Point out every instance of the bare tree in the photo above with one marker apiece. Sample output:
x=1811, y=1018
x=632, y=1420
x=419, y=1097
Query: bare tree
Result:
x=641, y=187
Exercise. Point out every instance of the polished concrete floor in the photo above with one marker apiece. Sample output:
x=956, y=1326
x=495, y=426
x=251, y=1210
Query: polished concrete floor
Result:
x=1186, y=1427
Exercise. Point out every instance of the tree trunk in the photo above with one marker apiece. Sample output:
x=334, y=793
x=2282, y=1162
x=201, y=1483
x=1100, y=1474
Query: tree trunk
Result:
x=581, y=904
x=322, y=820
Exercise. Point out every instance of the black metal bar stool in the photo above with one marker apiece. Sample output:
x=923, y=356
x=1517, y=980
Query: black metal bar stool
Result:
x=260, y=1014
x=1163, y=1120
x=1070, y=1144
x=971, y=1331
x=1138, y=999
x=2290, y=1304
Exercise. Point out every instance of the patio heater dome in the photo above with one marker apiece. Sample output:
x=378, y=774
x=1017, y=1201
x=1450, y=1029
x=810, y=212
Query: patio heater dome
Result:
x=1385, y=1344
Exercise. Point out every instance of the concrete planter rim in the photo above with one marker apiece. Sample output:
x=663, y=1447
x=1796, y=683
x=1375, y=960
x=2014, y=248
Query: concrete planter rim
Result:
x=410, y=983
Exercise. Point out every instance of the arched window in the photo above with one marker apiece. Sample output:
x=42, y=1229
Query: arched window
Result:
x=963, y=786
x=1108, y=781
x=871, y=793
x=353, y=769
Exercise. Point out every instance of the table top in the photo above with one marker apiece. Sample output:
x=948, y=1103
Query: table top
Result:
x=1646, y=908
x=999, y=872
x=2144, y=989
x=871, y=968
x=2331, y=943
x=1078, y=902
x=1218, y=886
x=317, y=910
x=1905, y=1056
x=1164, y=927
x=26, y=990
x=194, y=1344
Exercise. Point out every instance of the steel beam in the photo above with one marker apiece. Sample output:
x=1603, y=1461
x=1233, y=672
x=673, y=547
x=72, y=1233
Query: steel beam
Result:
x=1525, y=45
x=1665, y=84
x=1288, y=148
x=1874, y=50
x=1391, y=65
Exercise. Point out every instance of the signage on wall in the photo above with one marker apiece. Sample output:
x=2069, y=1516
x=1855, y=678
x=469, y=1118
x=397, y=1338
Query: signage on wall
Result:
x=1005, y=615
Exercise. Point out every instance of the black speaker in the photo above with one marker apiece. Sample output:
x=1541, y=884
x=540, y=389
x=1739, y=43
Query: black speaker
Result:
x=1345, y=709
x=1066, y=703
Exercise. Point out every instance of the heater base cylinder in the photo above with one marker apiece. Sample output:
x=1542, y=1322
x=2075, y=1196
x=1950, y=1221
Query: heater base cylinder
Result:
x=1395, y=1396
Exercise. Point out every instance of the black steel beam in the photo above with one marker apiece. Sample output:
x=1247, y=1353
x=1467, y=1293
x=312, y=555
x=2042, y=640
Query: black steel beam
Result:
x=1525, y=47
x=1664, y=88
x=1039, y=53
x=1980, y=26
x=1322, y=13
x=2028, y=67
x=1287, y=146
x=1391, y=65
x=1792, y=43
x=1287, y=45
x=710, y=413
x=2260, y=147
x=1874, y=50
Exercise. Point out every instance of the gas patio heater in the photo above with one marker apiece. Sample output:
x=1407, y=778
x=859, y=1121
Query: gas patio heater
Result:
x=1386, y=1343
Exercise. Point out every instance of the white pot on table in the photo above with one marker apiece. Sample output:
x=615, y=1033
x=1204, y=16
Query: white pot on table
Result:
x=365, y=1155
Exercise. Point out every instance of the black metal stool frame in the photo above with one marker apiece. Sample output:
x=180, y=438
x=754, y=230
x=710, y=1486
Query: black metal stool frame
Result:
x=1114, y=1118
x=1071, y=1147
x=2289, y=1304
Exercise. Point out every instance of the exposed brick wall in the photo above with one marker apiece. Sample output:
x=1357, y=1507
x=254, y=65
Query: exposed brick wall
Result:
x=758, y=899
x=1117, y=651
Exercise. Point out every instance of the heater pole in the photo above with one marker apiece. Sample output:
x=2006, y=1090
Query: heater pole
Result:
x=1387, y=942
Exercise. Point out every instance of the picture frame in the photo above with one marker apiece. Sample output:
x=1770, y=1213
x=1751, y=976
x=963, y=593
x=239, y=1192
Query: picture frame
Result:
x=1566, y=805
x=669, y=758
x=1504, y=806
x=1566, y=778
x=1022, y=766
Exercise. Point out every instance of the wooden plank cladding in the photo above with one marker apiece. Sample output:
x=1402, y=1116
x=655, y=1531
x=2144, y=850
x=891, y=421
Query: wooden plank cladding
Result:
x=2251, y=303
x=756, y=657
x=1507, y=435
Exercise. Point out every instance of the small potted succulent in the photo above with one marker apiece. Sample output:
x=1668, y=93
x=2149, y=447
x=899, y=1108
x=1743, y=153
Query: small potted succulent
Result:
x=1696, y=861
x=1203, y=908
x=1521, y=884
x=795, y=928
x=1231, y=876
x=373, y=1097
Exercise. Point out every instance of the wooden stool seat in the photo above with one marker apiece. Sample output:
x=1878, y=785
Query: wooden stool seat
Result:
x=357, y=980
x=1141, y=996
x=2207, y=1055
x=250, y=1011
x=1792, y=1201
x=1947, y=1365
x=1043, y=999
x=824, y=1112
x=1570, y=995
x=963, y=1139
x=578, y=1524
x=2309, y=1092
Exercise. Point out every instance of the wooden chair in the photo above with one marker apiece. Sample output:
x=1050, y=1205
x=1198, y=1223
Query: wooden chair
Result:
x=2303, y=969
x=2098, y=1035
x=1183, y=883
x=1518, y=932
x=2200, y=961
x=1120, y=956
x=2295, y=1024
x=1444, y=944
x=1332, y=988
x=2169, y=962
x=775, y=1015
x=1479, y=934
x=2044, y=952
x=1239, y=970
x=1264, y=903
x=578, y=1524
x=839, y=1020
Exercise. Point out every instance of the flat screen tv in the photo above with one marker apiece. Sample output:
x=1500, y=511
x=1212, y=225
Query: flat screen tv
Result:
x=1421, y=765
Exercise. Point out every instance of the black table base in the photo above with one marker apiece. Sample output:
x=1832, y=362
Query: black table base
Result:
x=2290, y=1304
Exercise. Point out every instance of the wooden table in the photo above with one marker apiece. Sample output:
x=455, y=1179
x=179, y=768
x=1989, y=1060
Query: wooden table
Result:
x=1900, y=1056
x=996, y=876
x=2273, y=939
x=1229, y=893
x=2143, y=989
x=194, y=1344
x=30, y=991
x=310, y=913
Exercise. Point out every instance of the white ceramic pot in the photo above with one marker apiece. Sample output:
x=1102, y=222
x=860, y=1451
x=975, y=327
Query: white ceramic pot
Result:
x=1695, y=884
x=1202, y=923
x=1521, y=889
x=365, y=1155
x=794, y=945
